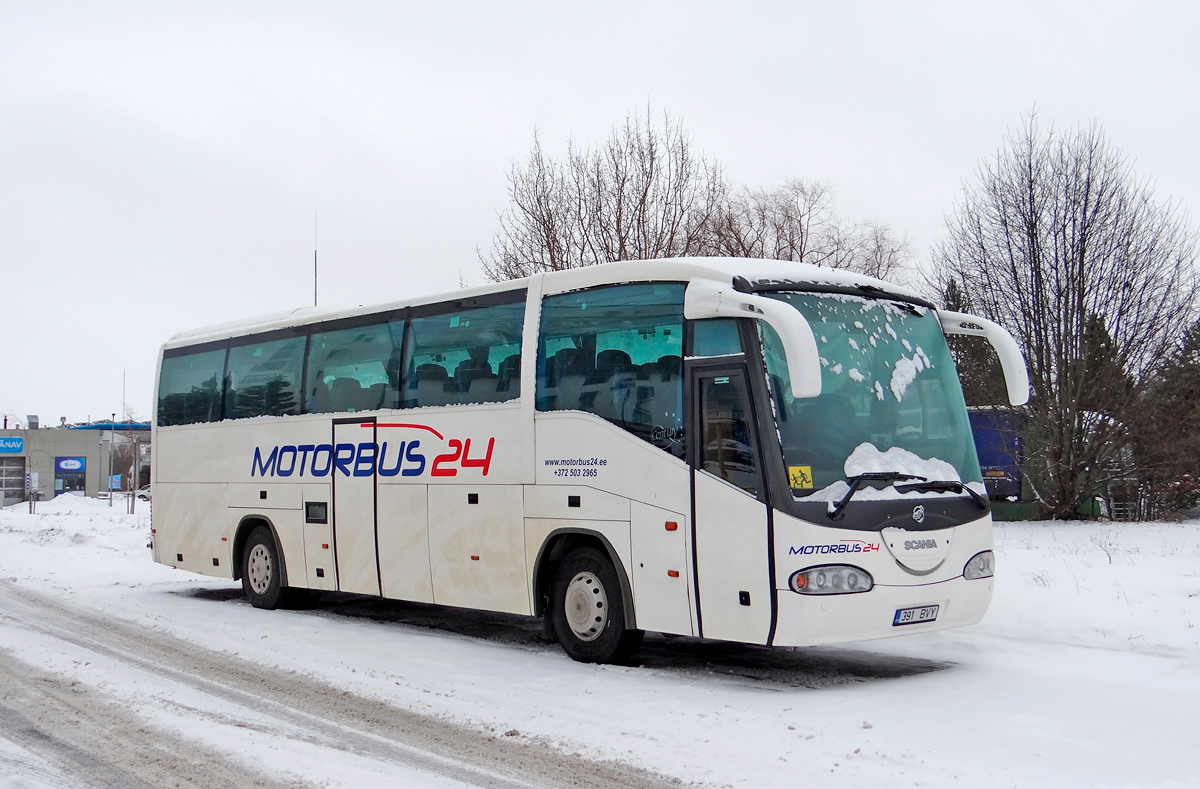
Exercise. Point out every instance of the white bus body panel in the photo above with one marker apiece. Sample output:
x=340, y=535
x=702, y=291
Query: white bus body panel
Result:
x=806, y=620
x=353, y=510
x=732, y=559
x=477, y=551
x=197, y=526
x=661, y=565
x=318, y=545
x=404, y=542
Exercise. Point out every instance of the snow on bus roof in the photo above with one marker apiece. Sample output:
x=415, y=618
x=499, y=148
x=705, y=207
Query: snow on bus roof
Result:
x=673, y=269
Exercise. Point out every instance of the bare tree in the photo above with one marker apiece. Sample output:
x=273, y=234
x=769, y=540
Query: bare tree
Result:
x=1061, y=242
x=643, y=194
x=797, y=222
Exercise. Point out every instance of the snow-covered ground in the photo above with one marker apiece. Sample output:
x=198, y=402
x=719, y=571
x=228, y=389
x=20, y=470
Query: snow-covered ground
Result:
x=1085, y=672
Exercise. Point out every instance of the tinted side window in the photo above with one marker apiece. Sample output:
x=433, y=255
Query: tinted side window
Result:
x=617, y=352
x=354, y=369
x=716, y=337
x=264, y=379
x=468, y=356
x=189, y=388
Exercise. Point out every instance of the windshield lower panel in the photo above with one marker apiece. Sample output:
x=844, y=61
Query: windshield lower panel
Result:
x=890, y=402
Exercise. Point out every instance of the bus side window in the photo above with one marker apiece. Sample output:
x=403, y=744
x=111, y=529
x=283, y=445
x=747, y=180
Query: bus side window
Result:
x=716, y=337
x=264, y=378
x=354, y=369
x=464, y=356
x=189, y=388
x=617, y=352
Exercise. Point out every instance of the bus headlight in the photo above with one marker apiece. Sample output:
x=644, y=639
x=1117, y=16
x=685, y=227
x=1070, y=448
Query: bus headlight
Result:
x=831, y=579
x=981, y=565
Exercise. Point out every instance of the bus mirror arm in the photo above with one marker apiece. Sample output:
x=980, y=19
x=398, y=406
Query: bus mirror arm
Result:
x=711, y=299
x=1016, y=377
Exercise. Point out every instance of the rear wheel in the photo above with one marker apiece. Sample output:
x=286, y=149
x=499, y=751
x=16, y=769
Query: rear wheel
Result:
x=588, y=609
x=262, y=572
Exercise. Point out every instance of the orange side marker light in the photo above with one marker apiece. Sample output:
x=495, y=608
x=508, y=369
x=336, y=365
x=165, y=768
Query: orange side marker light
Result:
x=673, y=573
x=672, y=526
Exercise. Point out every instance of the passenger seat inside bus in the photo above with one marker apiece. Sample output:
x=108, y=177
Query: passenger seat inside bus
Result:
x=664, y=404
x=510, y=375
x=615, y=387
x=474, y=379
x=430, y=384
x=345, y=394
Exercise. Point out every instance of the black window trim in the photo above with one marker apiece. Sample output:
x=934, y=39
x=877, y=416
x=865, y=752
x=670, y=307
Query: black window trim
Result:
x=190, y=350
x=403, y=315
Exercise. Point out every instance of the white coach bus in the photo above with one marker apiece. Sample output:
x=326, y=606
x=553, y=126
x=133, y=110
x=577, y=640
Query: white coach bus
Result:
x=745, y=450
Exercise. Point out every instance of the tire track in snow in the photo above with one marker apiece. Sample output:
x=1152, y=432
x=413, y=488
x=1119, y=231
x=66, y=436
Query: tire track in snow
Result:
x=314, y=712
x=94, y=743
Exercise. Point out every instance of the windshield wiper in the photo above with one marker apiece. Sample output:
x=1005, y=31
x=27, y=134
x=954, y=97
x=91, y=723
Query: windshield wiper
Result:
x=941, y=485
x=857, y=482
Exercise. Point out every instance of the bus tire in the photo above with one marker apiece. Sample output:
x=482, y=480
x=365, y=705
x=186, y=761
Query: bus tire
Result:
x=262, y=570
x=588, y=611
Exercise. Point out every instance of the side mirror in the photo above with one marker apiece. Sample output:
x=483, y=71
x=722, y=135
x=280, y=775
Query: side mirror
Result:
x=1016, y=377
x=706, y=298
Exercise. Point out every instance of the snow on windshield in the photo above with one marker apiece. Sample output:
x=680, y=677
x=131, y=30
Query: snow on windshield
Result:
x=890, y=396
x=867, y=458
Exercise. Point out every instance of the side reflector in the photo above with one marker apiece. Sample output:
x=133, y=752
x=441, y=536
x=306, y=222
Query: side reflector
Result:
x=325, y=545
x=474, y=558
x=673, y=573
x=672, y=526
x=224, y=539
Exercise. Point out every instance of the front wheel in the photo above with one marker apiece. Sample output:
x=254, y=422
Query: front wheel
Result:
x=588, y=611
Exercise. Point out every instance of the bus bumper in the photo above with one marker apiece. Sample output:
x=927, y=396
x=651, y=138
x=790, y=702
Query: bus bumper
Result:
x=810, y=620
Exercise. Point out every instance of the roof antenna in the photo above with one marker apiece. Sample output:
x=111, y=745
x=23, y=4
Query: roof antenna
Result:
x=314, y=258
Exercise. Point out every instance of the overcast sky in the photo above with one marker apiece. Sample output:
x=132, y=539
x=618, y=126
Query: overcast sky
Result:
x=160, y=168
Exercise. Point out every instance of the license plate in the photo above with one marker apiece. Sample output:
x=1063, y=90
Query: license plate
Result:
x=914, y=616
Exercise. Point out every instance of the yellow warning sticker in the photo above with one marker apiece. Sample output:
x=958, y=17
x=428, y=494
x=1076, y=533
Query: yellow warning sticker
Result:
x=800, y=477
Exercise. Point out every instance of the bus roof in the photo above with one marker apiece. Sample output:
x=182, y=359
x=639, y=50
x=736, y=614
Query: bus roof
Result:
x=721, y=269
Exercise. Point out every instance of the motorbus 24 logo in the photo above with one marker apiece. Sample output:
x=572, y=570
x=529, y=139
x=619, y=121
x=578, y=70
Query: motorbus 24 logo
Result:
x=406, y=458
x=842, y=546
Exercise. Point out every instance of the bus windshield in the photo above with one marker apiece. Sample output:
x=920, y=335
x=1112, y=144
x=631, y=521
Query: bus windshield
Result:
x=890, y=398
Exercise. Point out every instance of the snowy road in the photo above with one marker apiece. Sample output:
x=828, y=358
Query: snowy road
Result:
x=118, y=672
x=74, y=725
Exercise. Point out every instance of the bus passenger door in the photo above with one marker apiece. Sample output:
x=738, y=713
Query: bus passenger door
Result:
x=355, y=542
x=732, y=558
